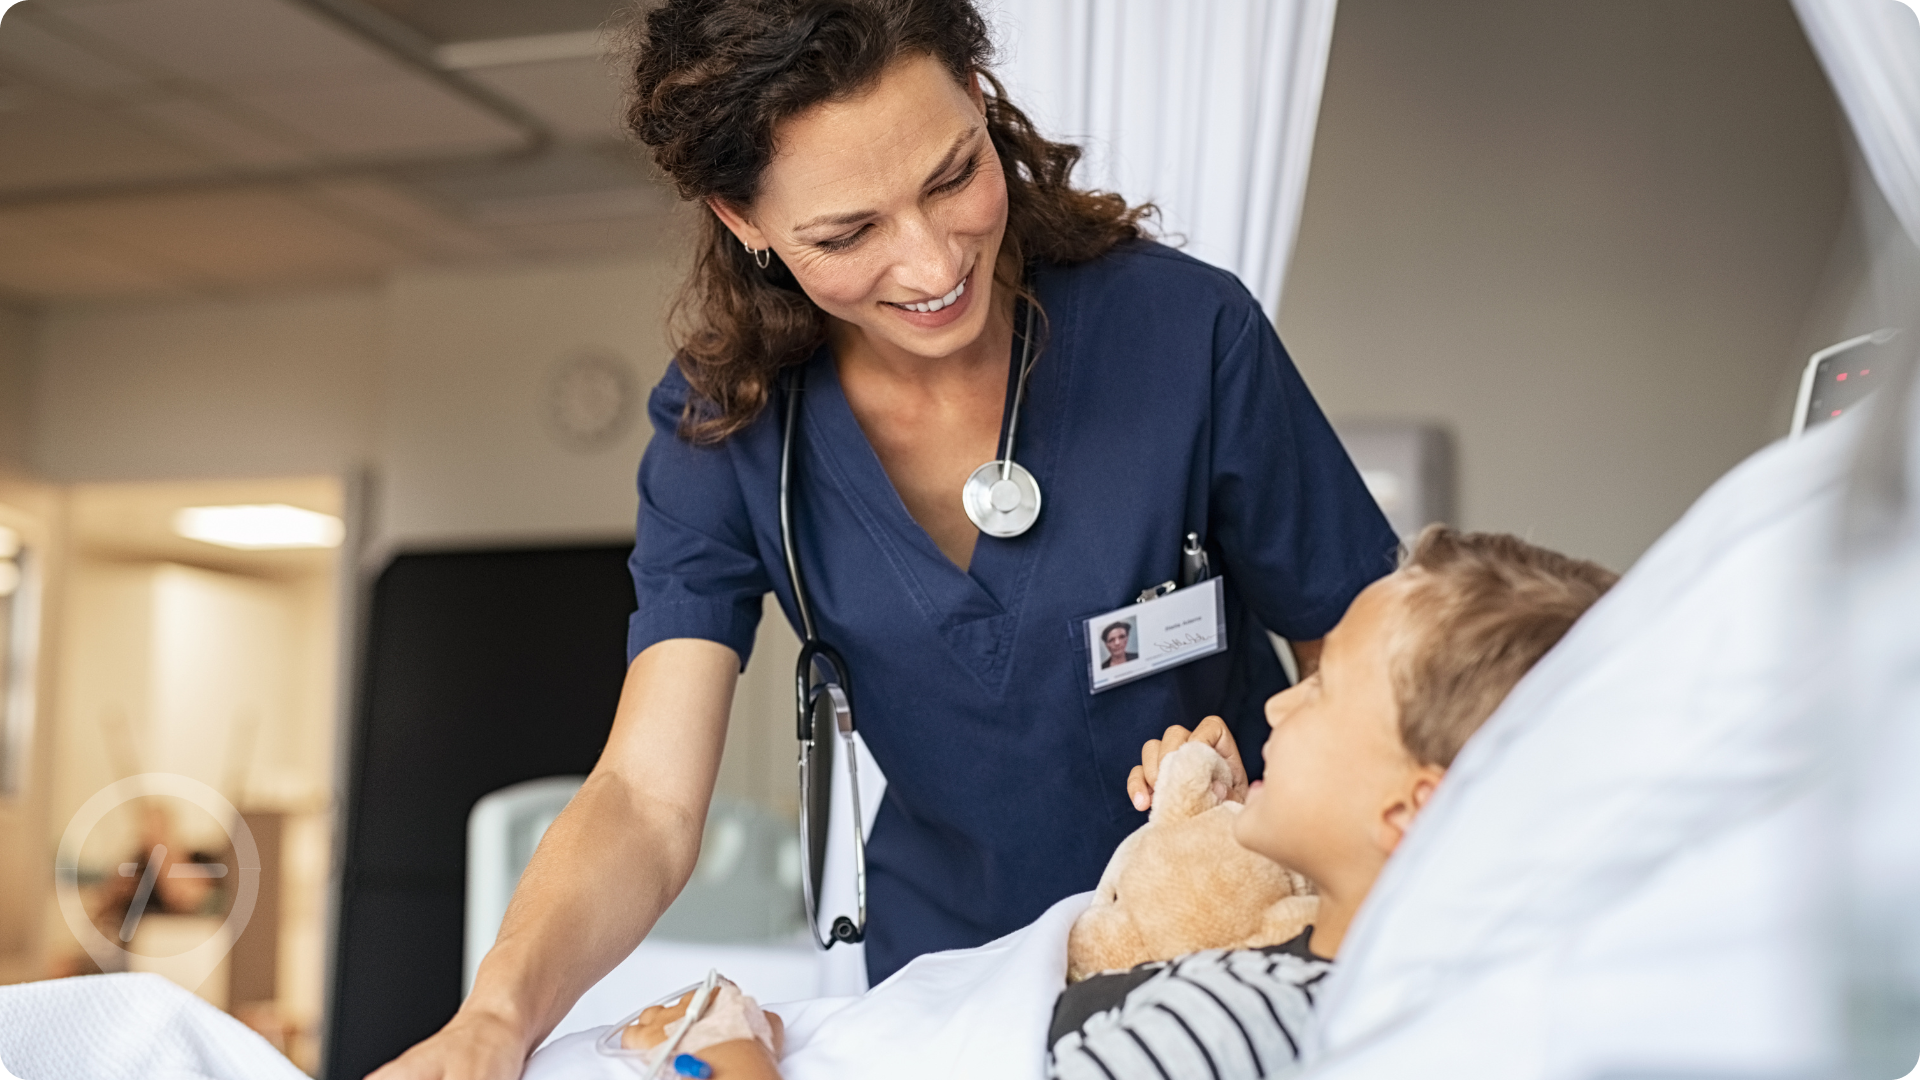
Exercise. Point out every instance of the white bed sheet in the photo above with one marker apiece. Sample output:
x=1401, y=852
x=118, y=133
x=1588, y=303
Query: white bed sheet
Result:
x=968, y=1014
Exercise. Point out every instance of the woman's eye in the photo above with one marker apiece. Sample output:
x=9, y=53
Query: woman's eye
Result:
x=842, y=243
x=960, y=181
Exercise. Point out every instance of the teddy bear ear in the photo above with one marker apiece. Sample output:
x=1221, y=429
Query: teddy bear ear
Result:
x=1193, y=780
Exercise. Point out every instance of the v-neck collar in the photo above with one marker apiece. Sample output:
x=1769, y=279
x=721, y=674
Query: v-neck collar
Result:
x=975, y=609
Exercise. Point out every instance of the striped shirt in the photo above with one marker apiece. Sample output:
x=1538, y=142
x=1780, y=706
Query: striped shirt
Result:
x=1220, y=1015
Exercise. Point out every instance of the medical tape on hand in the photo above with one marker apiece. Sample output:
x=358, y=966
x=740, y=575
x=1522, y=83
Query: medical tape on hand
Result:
x=729, y=1016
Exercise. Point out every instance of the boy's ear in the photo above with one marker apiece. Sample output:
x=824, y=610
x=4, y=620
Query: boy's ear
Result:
x=1397, y=816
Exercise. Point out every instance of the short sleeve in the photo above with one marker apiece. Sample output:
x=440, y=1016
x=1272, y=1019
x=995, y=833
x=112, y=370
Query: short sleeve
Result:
x=696, y=570
x=1300, y=533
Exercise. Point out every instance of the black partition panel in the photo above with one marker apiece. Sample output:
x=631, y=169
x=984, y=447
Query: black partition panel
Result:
x=481, y=669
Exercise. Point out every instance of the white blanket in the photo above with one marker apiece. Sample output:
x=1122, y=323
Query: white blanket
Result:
x=969, y=1014
x=127, y=1027
x=973, y=1013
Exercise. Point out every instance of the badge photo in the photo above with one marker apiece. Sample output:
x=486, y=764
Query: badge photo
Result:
x=1151, y=636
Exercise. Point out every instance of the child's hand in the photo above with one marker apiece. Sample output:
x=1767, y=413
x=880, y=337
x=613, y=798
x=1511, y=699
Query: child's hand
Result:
x=732, y=1012
x=649, y=1029
x=1213, y=732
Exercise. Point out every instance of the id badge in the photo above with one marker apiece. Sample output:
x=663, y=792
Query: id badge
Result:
x=1154, y=635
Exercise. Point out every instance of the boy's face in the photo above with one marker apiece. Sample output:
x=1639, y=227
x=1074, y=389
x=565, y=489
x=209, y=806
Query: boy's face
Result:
x=1340, y=786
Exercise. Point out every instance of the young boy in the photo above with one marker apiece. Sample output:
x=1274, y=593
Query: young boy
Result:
x=1420, y=660
x=1422, y=657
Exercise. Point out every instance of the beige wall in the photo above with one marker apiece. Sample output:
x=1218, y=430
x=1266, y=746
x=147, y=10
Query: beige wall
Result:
x=468, y=451
x=26, y=865
x=15, y=409
x=269, y=386
x=183, y=670
x=1584, y=236
x=436, y=380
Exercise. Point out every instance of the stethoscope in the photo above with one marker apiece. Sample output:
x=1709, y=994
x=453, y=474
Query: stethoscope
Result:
x=1002, y=499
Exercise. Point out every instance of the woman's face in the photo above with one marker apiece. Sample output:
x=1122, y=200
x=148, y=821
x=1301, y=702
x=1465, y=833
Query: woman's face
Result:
x=1117, y=641
x=889, y=209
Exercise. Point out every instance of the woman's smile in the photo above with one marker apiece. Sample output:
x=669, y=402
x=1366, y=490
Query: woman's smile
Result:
x=937, y=312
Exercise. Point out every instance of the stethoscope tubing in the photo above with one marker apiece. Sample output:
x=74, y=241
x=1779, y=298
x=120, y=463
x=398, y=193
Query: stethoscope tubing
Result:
x=815, y=653
x=807, y=694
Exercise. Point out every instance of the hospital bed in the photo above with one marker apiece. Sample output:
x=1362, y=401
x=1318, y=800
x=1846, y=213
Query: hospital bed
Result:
x=740, y=911
x=1629, y=871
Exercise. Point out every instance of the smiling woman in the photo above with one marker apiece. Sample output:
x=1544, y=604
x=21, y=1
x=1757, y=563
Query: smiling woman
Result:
x=975, y=161
x=895, y=275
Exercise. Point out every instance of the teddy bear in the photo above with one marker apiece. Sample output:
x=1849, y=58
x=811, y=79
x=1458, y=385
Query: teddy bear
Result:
x=1181, y=884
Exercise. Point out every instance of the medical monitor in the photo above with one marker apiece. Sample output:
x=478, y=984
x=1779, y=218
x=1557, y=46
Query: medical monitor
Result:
x=1841, y=376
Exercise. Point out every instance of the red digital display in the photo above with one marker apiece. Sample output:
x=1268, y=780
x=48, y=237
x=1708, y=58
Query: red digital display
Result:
x=1843, y=380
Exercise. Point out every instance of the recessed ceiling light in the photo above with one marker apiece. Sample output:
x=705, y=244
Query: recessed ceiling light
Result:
x=259, y=528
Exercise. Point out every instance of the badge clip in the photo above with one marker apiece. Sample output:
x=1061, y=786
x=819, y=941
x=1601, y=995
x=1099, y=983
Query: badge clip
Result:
x=1156, y=592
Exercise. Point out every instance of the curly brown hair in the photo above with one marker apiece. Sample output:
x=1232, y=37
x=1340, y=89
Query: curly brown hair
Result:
x=711, y=80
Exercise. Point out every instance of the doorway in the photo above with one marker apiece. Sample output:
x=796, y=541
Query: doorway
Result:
x=199, y=637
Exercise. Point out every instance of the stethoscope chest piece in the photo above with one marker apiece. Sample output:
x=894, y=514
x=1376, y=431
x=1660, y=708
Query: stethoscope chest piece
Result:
x=1002, y=499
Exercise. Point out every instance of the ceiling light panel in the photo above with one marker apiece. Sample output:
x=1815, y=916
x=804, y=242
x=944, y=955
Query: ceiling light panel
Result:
x=259, y=527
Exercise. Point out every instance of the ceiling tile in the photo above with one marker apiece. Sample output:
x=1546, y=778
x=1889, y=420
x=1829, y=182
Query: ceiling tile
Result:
x=395, y=114
x=580, y=98
x=483, y=20
x=39, y=266
x=29, y=49
x=567, y=207
x=52, y=140
x=231, y=43
x=618, y=236
x=238, y=239
x=230, y=138
x=406, y=219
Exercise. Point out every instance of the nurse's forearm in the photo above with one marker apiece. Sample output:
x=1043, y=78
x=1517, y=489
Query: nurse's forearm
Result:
x=624, y=846
x=1306, y=654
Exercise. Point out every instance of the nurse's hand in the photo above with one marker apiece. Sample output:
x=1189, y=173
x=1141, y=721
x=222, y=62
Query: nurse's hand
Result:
x=474, y=1045
x=1212, y=731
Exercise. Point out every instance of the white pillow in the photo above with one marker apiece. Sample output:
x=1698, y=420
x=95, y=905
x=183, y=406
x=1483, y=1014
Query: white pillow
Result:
x=1634, y=790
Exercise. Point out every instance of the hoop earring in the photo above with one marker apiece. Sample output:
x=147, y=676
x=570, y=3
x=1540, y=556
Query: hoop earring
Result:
x=762, y=258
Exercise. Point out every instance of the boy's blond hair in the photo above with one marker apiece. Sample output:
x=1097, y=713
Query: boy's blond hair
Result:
x=1484, y=607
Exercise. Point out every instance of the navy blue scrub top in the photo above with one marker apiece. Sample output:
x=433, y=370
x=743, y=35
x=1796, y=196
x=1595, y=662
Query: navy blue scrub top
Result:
x=1162, y=403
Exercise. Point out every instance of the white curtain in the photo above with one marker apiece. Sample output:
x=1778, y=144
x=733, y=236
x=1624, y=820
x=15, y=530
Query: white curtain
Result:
x=1871, y=50
x=1205, y=107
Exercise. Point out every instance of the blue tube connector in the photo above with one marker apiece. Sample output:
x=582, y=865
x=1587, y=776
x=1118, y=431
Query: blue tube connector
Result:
x=688, y=1065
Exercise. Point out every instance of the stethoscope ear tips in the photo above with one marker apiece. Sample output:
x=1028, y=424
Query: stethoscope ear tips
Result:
x=844, y=930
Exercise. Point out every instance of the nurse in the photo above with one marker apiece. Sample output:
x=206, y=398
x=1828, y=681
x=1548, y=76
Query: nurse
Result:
x=877, y=217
